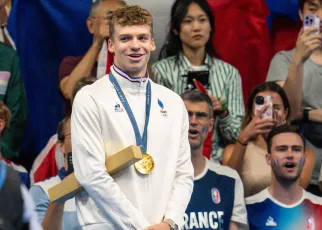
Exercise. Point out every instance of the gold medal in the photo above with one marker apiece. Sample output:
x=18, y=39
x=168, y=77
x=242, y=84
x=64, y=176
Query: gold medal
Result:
x=146, y=165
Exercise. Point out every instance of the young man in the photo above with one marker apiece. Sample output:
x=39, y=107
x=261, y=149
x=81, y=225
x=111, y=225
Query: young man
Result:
x=299, y=71
x=126, y=108
x=284, y=204
x=217, y=200
x=52, y=215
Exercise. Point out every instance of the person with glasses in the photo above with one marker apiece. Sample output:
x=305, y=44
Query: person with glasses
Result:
x=188, y=53
x=52, y=215
x=217, y=200
x=73, y=69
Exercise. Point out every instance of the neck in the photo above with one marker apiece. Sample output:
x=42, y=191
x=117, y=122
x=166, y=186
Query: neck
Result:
x=196, y=57
x=133, y=74
x=261, y=142
x=286, y=193
x=317, y=56
x=198, y=161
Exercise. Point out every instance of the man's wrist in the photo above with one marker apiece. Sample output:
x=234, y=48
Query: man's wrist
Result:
x=306, y=114
x=97, y=44
x=297, y=61
x=173, y=226
x=223, y=114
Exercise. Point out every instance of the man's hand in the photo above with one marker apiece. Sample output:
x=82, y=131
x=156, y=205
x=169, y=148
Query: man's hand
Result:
x=306, y=43
x=161, y=226
x=218, y=106
x=101, y=30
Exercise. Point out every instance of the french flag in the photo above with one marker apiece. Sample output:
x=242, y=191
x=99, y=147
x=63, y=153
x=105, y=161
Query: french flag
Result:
x=24, y=176
x=48, y=162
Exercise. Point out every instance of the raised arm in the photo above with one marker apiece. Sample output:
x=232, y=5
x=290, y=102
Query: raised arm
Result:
x=233, y=155
x=289, y=74
x=85, y=66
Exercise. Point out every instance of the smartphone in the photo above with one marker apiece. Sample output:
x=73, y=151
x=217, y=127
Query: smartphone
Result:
x=70, y=163
x=201, y=76
x=311, y=20
x=261, y=101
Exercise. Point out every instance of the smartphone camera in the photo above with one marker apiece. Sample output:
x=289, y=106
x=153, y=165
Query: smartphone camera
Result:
x=259, y=100
x=311, y=20
x=70, y=163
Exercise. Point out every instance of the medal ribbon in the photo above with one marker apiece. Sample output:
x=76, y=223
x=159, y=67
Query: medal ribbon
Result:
x=140, y=140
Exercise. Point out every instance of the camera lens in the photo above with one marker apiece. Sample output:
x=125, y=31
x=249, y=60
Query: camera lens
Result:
x=259, y=100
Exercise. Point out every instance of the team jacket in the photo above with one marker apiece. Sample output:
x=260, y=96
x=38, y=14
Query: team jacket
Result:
x=265, y=212
x=101, y=127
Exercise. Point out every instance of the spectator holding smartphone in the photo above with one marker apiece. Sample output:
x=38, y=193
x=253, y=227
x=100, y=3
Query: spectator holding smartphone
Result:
x=299, y=72
x=247, y=156
x=188, y=50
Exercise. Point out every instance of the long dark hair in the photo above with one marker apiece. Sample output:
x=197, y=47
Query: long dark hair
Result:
x=173, y=44
x=265, y=87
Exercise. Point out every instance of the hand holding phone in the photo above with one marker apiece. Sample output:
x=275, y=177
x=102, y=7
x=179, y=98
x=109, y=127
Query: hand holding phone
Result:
x=260, y=102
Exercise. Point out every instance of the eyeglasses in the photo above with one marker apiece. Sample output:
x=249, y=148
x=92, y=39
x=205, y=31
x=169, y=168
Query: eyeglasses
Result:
x=200, y=116
x=68, y=134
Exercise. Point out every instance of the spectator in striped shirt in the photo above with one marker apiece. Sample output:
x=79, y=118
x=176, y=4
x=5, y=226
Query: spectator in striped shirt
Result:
x=188, y=50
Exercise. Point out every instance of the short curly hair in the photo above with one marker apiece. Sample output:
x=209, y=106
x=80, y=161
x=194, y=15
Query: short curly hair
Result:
x=130, y=16
x=5, y=115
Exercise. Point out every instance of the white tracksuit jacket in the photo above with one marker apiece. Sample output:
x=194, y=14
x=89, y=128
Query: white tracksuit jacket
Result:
x=101, y=128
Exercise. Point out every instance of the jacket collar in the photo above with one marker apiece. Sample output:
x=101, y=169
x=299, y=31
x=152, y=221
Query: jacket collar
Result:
x=126, y=82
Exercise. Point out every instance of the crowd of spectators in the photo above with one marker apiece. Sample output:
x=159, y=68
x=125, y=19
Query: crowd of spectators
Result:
x=235, y=149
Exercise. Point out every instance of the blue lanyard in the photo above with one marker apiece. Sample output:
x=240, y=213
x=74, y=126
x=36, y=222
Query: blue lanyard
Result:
x=140, y=141
x=3, y=173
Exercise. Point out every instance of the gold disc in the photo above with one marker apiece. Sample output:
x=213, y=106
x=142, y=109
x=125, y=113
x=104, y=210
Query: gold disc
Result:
x=146, y=165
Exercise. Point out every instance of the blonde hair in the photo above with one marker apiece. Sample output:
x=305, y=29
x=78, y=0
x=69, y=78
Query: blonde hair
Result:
x=5, y=115
x=130, y=16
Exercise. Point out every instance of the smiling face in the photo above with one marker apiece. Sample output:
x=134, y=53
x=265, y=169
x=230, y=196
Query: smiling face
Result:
x=195, y=28
x=200, y=123
x=287, y=157
x=132, y=46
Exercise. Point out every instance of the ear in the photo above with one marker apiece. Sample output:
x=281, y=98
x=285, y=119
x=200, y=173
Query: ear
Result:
x=211, y=125
x=90, y=25
x=268, y=158
x=60, y=147
x=153, y=47
x=175, y=32
x=111, y=47
x=285, y=114
x=301, y=14
x=2, y=125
